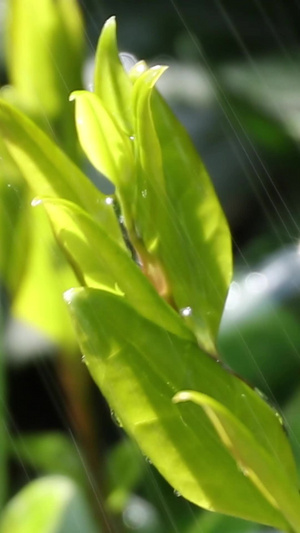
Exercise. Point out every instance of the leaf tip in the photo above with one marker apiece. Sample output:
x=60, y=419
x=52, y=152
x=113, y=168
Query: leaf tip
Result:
x=74, y=95
x=182, y=396
x=111, y=21
x=70, y=294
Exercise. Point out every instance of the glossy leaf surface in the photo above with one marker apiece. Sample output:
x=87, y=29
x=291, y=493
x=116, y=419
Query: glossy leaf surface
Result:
x=191, y=235
x=262, y=468
x=101, y=263
x=172, y=213
x=139, y=368
x=112, y=84
x=106, y=145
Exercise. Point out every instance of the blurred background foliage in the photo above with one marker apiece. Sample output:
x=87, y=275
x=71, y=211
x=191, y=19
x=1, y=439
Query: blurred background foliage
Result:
x=234, y=81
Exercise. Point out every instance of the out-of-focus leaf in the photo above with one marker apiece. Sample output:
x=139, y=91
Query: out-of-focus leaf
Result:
x=266, y=99
x=44, y=51
x=48, y=505
x=48, y=171
x=178, y=213
x=217, y=523
x=125, y=470
x=101, y=263
x=262, y=468
x=139, y=368
x=14, y=223
x=50, y=453
x=292, y=422
x=112, y=84
x=39, y=299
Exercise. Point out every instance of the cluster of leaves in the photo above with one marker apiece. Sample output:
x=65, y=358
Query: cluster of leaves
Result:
x=154, y=264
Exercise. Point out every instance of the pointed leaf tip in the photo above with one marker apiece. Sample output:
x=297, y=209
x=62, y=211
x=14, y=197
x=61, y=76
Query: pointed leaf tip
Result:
x=182, y=396
x=110, y=22
x=70, y=294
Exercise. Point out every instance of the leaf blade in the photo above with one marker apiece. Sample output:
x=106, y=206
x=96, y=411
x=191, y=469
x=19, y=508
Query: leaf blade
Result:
x=48, y=171
x=118, y=342
x=263, y=470
x=102, y=263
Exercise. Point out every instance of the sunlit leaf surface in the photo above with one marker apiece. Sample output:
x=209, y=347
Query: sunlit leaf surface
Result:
x=39, y=301
x=101, y=263
x=112, y=85
x=48, y=171
x=262, y=468
x=140, y=367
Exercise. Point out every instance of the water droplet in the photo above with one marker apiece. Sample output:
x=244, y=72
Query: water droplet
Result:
x=109, y=200
x=177, y=493
x=243, y=396
x=36, y=201
x=261, y=394
x=243, y=469
x=186, y=311
x=121, y=219
x=83, y=359
x=279, y=417
x=132, y=137
x=140, y=66
x=148, y=460
x=144, y=193
x=116, y=420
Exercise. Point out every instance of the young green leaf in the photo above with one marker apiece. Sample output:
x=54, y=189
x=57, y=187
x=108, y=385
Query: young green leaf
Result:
x=118, y=342
x=112, y=84
x=101, y=263
x=263, y=469
x=178, y=214
x=106, y=145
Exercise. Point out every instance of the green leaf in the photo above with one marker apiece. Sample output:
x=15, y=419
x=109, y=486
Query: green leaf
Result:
x=106, y=145
x=112, y=84
x=48, y=171
x=14, y=217
x=46, y=277
x=47, y=505
x=125, y=470
x=190, y=235
x=259, y=465
x=101, y=263
x=139, y=368
x=216, y=523
x=44, y=53
x=50, y=453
